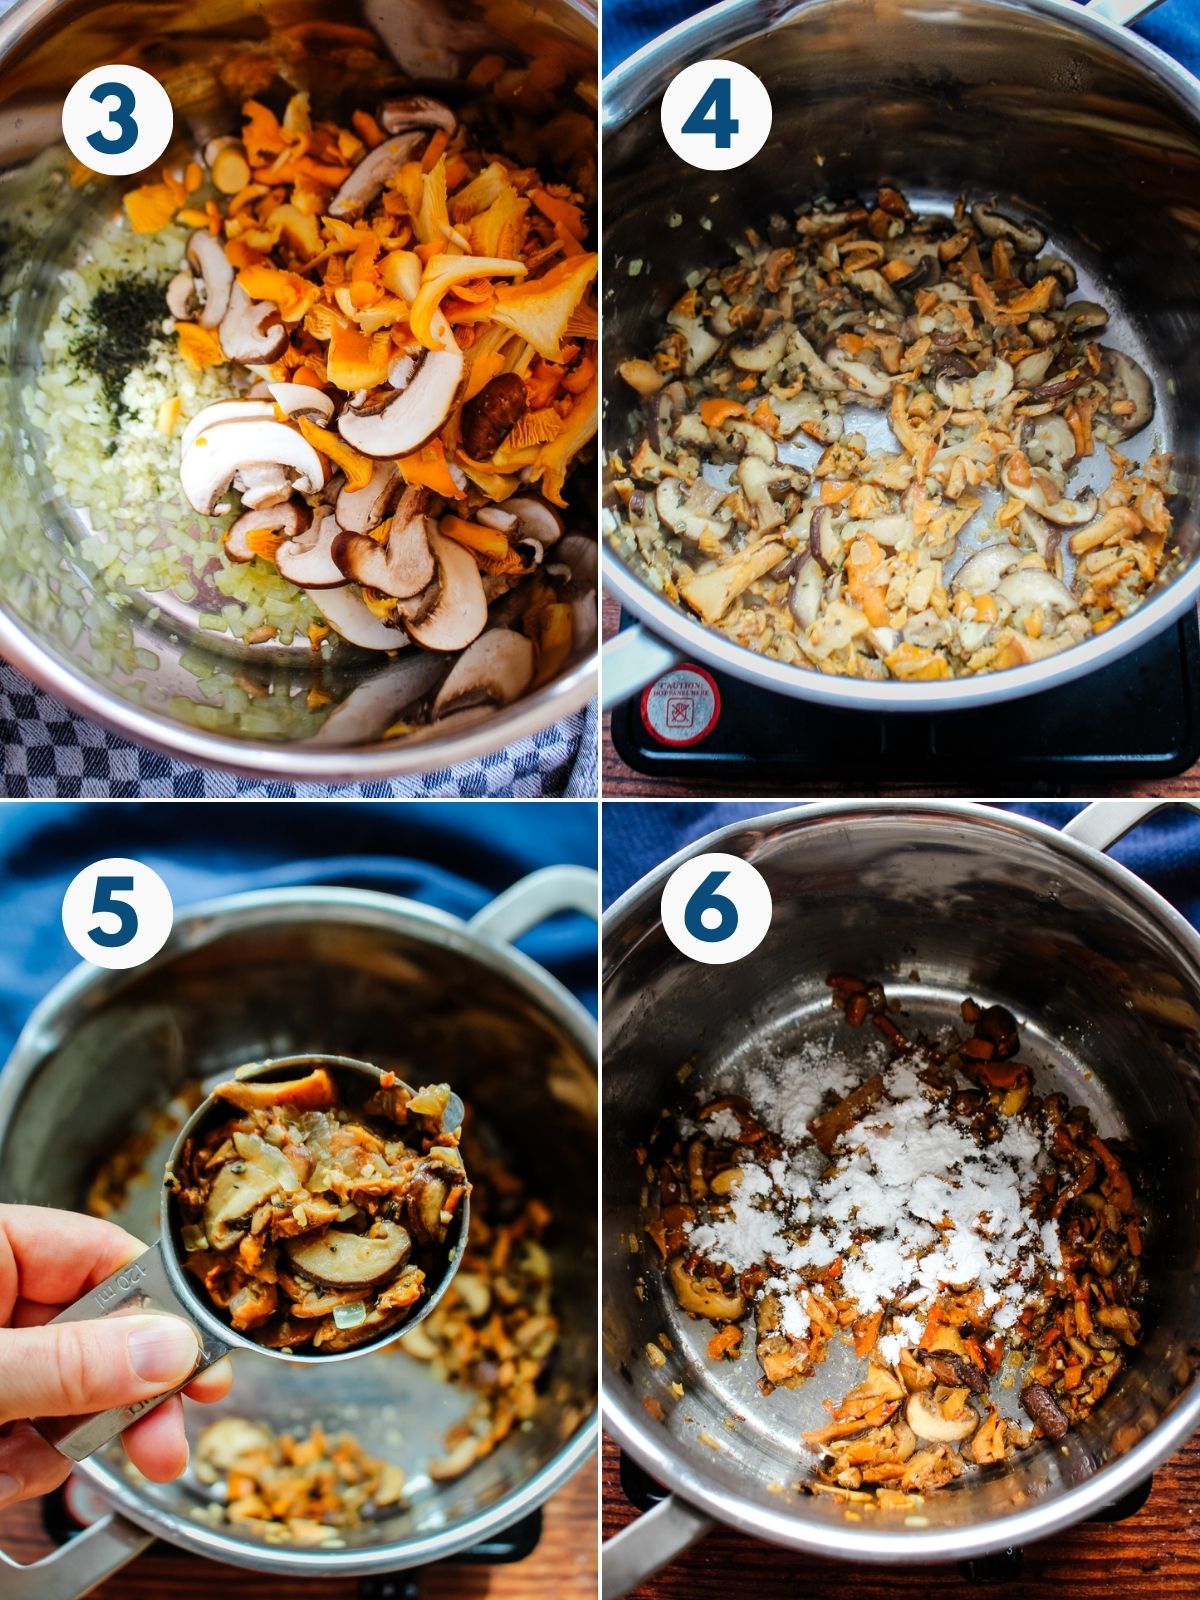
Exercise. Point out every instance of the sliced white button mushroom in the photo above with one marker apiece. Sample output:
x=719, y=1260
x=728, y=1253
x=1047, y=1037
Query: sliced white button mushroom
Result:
x=860, y=379
x=993, y=384
x=207, y=255
x=251, y=331
x=348, y=615
x=302, y=400
x=223, y=411
x=344, y=1260
x=291, y=519
x=1048, y=441
x=306, y=559
x=369, y=178
x=1030, y=587
x=928, y=1422
x=981, y=573
x=1031, y=369
x=416, y=111
x=401, y=567
x=496, y=670
x=535, y=519
x=233, y=455
x=460, y=613
x=360, y=510
x=404, y=419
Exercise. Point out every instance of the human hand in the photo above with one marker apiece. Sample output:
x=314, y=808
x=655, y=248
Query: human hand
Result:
x=47, y=1260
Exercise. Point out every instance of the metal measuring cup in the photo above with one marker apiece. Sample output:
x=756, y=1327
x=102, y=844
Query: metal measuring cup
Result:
x=156, y=1280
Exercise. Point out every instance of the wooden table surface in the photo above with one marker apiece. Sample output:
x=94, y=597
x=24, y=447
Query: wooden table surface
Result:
x=563, y=1565
x=619, y=782
x=1153, y=1555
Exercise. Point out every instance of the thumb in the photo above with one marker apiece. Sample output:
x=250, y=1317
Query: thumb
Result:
x=68, y=1368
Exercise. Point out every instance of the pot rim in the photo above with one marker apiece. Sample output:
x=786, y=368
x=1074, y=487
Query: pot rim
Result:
x=51, y=670
x=627, y=90
x=626, y=1422
x=202, y=924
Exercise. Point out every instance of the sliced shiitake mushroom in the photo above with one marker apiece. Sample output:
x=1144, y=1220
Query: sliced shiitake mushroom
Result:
x=370, y=177
x=344, y=1260
x=764, y=350
x=240, y=1187
x=981, y=572
x=360, y=510
x=1026, y=237
x=1130, y=404
x=416, y=111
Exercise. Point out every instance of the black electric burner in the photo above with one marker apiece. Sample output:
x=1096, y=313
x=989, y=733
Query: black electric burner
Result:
x=514, y=1543
x=1134, y=720
x=641, y=1491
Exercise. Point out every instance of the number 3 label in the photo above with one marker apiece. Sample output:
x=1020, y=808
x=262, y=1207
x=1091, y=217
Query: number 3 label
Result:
x=117, y=913
x=716, y=115
x=716, y=908
x=117, y=120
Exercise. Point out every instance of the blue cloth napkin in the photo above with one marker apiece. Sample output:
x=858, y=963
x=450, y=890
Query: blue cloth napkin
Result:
x=1164, y=850
x=456, y=857
x=49, y=752
x=629, y=24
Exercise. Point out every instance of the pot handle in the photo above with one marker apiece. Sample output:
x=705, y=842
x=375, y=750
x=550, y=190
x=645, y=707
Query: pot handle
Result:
x=653, y=1541
x=79, y=1565
x=1102, y=823
x=632, y=659
x=1121, y=11
x=536, y=898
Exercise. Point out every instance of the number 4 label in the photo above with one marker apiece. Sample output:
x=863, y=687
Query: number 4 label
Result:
x=716, y=115
x=117, y=913
x=716, y=908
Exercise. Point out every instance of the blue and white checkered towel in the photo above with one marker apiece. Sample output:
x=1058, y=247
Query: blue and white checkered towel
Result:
x=48, y=752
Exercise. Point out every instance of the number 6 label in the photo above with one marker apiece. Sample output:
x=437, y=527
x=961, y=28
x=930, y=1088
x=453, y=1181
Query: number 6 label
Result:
x=716, y=115
x=117, y=120
x=117, y=913
x=716, y=908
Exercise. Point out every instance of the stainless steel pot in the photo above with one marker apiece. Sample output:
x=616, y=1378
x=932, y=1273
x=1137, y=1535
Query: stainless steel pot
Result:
x=1046, y=105
x=140, y=662
x=1104, y=978
x=286, y=972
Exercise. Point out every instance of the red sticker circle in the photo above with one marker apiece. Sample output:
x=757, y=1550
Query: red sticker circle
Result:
x=681, y=707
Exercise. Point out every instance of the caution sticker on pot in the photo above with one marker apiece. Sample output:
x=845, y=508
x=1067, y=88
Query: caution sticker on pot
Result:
x=682, y=706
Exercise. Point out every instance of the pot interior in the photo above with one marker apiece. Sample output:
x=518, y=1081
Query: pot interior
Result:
x=1015, y=103
x=138, y=628
x=310, y=978
x=937, y=907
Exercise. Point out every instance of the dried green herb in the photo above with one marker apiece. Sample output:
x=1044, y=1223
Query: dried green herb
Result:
x=123, y=324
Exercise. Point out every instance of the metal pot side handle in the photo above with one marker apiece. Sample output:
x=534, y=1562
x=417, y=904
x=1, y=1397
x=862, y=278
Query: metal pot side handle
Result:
x=631, y=660
x=78, y=1566
x=658, y=1537
x=1121, y=11
x=1102, y=823
x=535, y=899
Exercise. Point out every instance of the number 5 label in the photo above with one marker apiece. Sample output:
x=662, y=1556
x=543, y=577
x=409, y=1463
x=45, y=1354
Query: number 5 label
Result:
x=117, y=120
x=716, y=908
x=117, y=913
x=716, y=115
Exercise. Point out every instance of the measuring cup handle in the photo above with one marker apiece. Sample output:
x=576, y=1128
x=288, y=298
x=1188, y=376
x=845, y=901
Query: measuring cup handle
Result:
x=535, y=899
x=1102, y=823
x=144, y=1285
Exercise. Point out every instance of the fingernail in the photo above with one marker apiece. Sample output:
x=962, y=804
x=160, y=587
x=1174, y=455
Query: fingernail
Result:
x=10, y=1487
x=163, y=1350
